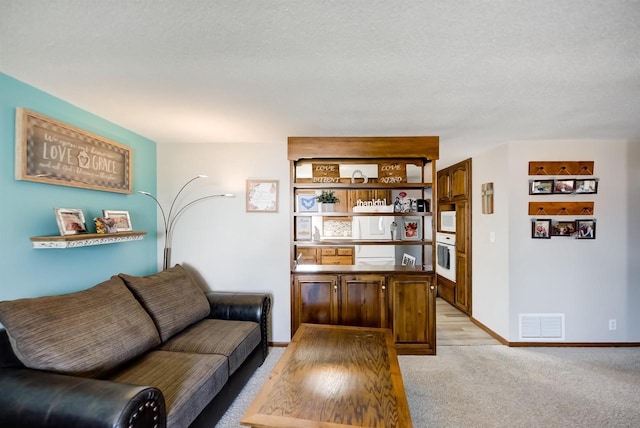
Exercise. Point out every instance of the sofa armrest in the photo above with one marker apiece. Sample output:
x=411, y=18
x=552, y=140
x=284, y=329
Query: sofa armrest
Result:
x=33, y=398
x=242, y=307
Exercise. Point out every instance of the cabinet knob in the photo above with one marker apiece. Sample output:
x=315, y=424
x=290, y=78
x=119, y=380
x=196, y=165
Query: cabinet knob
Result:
x=433, y=287
x=384, y=287
x=335, y=288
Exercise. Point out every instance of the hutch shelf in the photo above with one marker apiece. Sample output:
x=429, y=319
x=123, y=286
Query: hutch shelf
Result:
x=369, y=261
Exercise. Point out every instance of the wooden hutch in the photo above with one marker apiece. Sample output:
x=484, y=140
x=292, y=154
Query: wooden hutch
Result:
x=332, y=282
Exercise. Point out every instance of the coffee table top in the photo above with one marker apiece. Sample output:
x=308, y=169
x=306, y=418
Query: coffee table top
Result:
x=333, y=376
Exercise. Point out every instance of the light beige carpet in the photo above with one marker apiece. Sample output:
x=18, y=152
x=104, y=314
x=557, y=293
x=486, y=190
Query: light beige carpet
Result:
x=498, y=386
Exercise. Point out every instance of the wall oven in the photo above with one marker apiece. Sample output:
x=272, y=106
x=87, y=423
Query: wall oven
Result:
x=446, y=255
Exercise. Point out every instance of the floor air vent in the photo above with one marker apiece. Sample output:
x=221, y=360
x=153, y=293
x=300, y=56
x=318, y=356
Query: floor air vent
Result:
x=541, y=327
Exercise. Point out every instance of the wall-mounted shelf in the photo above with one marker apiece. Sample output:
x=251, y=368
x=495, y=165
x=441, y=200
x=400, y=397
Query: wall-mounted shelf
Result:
x=561, y=208
x=84, y=240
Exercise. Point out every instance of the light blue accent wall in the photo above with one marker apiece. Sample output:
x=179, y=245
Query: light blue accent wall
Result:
x=26, y=208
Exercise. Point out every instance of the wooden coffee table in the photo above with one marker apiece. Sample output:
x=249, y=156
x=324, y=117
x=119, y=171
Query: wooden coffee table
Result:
x=333, y=376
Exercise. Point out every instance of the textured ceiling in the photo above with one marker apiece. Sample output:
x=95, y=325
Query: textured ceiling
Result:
x=476, y=73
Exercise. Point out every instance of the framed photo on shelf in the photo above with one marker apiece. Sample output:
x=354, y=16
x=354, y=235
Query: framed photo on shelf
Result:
x=410, y=228
x=303, y=228
x=70, y=221
x=307, y=203
x=586, y=229
x=121, y=219
x=541, y=228
x=262, y=196
x=540, y=187
x=408, y=260
x=105, y=225
x=564, y=186
x=563, y=228
x=586, y=186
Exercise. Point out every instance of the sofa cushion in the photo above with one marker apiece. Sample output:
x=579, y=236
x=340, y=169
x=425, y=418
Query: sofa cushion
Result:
x=84, y=333
x=233, y=339
x=187, y=381
x=171, y=297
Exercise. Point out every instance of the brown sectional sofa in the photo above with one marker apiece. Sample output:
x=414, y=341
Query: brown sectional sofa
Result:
x=148, y=351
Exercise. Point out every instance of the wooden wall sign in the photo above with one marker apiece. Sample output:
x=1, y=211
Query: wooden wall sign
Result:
x=487, y=198
x=392, y=172
x=325, y=172
x=53, y=152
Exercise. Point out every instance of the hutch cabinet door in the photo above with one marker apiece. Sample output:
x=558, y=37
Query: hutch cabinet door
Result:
x=413, y=302
x=315, y=300
x=363, y=300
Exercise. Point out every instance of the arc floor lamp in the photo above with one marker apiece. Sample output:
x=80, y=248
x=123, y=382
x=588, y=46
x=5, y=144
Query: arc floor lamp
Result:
x=170, y=220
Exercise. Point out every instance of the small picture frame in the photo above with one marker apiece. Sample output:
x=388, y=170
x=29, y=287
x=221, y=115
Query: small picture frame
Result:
x=303, y=228
x=307, y=203
x=564, y=186
x=408, y=260
x=540, y=187
x=586, y=186
x=70, y=221
x=105, y=225
x=541, y=228
x=586, y=229
x=563, y=228
x=262, y=196
x=121, y=219
x=410, y=229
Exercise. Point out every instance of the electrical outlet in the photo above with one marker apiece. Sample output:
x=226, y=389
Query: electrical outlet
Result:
x=612, y=324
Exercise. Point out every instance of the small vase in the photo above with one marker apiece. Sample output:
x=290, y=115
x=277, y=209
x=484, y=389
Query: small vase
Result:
x=326, y=207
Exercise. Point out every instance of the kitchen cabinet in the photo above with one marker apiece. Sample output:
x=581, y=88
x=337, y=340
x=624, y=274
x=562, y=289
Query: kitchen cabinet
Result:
x=314, y=299
x=403, y=303
x=413, y=321
x=456, y=196
x=355, y=300
x=325, y=255
x=363, y=300
x=344, y=273
x=454, y=182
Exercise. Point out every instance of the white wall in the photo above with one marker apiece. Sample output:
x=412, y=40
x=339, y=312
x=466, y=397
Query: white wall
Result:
x=591, y=281
x=587, y=280
x=490, y=268
x=230, y=249
x=633, y=239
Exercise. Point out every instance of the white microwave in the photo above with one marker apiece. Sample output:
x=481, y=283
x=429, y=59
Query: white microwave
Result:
x=448, y=221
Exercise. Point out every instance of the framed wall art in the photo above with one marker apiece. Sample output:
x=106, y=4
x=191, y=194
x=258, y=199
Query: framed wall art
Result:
x=70, y=221
x=563, y=228
x=262, y=196
x=121, y=219
x=540, y=187
x=541, y=229
x=586, y=186
x=564, y=186
x=52, y=152
x=586, y=229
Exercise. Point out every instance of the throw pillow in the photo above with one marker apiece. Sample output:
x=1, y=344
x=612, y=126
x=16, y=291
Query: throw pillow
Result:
x=85, y=333
x=171, y=297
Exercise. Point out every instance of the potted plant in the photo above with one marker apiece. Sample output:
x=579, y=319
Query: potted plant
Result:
x=327, y=199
